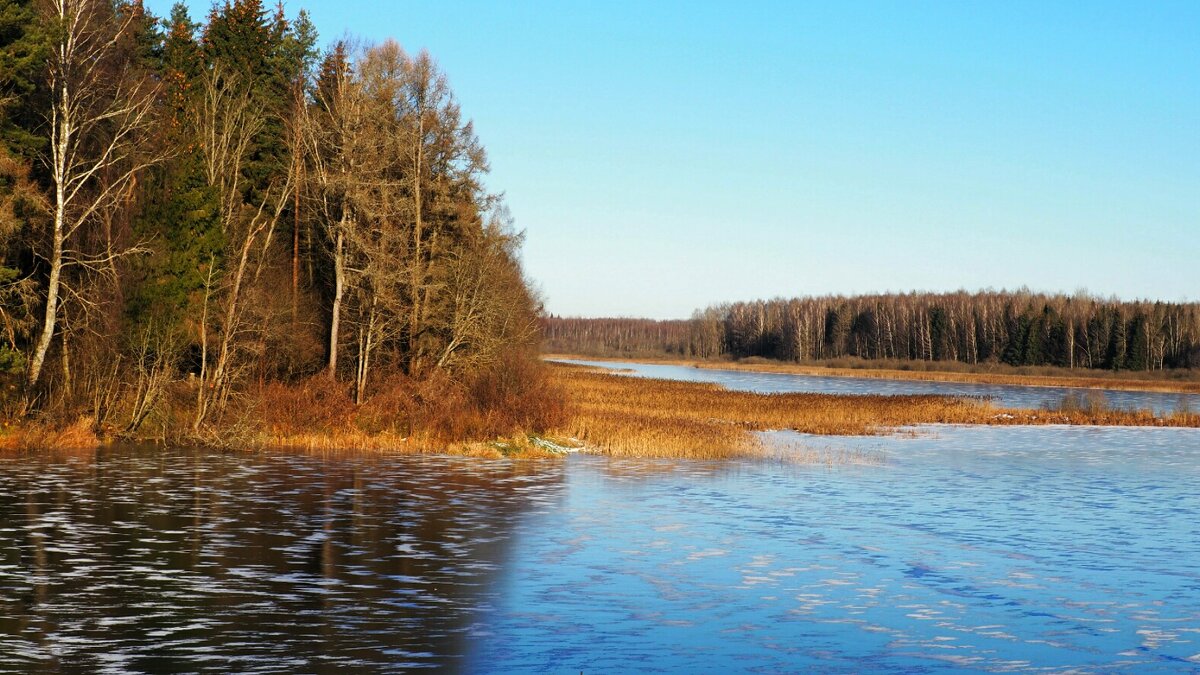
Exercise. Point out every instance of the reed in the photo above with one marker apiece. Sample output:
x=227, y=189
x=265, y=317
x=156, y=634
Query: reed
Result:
x=516, y=446
x=35, y=436
x=627, y=416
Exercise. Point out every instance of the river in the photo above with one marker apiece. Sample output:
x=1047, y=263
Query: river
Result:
x=1008, y=396
x=1048, y=549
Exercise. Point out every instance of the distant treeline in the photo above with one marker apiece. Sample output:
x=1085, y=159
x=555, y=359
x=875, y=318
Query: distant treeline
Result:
x=609, y=337
x=1017, y=328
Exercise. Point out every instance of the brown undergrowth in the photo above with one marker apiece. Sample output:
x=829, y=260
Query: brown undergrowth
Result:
x=501, y=411
x=490, y=415
x=623, y=415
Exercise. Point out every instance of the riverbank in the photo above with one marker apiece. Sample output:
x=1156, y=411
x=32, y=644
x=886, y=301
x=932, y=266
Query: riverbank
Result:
x=634, y=416
x=1170, y=382
x=578, y=408
x=80, y=436
x=505, y=414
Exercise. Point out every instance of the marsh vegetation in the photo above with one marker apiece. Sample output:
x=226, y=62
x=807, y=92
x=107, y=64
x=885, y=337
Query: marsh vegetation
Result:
x=637, y=416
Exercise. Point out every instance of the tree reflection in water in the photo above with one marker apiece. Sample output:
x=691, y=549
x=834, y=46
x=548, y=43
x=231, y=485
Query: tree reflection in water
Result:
x=176, y=560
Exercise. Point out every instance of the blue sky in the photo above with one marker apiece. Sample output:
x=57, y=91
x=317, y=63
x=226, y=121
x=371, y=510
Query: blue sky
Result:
x=664, y=156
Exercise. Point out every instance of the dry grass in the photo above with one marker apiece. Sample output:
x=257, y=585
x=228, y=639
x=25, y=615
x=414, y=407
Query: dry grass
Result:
x=947, y=371
x=77, y=436
x=629, y=416
x=517, y=446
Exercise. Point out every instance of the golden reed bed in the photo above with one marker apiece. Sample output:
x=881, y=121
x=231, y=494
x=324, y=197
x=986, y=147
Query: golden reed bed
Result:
x=630, y=416
x=637, y=417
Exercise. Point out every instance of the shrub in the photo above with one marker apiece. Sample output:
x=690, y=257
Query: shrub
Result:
x=314, y=404
x=517, y=394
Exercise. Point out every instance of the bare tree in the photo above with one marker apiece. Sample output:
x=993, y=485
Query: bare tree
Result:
x=488, y=306
x=227, y=120
x=443, y=160
x=99, y=110
x=334, y=133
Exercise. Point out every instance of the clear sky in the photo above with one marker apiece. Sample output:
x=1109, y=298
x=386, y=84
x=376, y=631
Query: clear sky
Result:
x=664, y=156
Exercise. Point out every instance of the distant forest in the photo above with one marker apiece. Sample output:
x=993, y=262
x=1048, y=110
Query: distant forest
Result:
x=1017, y=328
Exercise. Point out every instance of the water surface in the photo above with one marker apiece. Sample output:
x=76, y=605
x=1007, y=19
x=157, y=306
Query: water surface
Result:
x=1008, y=396
x=991, y=549
x=144, y=559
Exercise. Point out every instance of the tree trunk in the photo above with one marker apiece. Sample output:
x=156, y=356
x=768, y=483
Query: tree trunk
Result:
x=51, y=316
x=418, y=264
x=339, y=287
x=50, y=319
x=366, y=343
x=296, y=257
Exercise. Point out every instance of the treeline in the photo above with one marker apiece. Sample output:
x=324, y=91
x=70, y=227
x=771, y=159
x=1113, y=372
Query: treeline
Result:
x=616, y=337
x=192, y=210
x=1017, y=328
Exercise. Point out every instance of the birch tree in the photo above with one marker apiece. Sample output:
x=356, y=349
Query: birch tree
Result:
x=333, y=132
x=99, y=110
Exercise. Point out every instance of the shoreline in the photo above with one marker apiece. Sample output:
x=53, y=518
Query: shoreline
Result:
x=79, y=437
x=608, y=414
x=1084, y=382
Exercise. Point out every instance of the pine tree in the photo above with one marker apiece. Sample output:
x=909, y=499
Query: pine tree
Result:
x=1138, y=348
x=23, y=52
x=939, y=332
x=1117, y=344
x=181, y=226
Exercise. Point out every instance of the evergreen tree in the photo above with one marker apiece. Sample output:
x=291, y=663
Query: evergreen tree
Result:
x=1117, y=344
x=1017, y=349
x=181, y=226
x=1138, y=345
x=142, y=35
x=243, y=43
x=23, y=52
x=939, y=332
x=1057, y=342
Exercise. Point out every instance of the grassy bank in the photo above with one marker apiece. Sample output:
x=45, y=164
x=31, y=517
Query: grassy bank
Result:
x=80, y=437
x=541, y=412
x=1166, y=381
x=502, y=412
x=627, y=416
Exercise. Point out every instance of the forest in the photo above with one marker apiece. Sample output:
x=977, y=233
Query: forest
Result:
x=623, y=337
x=1019, y=328
x=214, y=225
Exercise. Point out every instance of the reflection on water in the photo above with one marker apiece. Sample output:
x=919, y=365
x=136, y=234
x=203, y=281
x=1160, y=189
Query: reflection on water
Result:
x=989, y=548
x=150, y=560
x=1008, y=396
